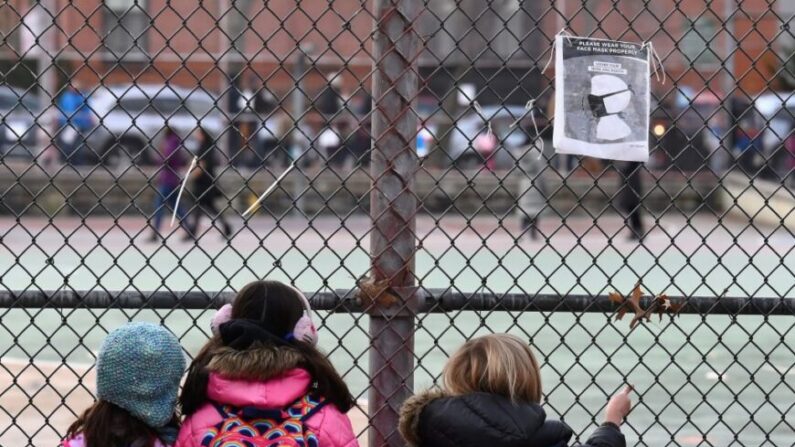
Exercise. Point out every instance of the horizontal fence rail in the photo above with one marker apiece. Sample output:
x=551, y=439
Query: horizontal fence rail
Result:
x=432, y=301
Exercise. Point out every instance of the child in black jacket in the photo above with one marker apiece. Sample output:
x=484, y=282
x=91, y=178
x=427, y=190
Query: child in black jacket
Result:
x=491, y=397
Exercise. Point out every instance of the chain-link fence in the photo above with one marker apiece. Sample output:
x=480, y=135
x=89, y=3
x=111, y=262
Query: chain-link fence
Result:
x=412, y=203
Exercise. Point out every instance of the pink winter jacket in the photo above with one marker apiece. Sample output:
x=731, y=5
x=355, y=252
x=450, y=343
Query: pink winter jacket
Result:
x=333, y=429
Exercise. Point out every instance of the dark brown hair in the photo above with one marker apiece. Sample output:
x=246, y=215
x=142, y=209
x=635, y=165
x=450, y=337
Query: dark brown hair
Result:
x=279, y=306
x=106, y=425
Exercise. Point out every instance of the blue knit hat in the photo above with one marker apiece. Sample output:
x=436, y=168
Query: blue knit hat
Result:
x=138, y=369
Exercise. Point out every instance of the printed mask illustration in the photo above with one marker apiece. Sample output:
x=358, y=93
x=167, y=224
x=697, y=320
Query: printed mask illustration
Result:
x=609, y=96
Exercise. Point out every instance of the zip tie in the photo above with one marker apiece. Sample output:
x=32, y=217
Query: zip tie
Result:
x=270, y=188
x=549, y=61
x=535, y=127
x=562, y=33
x=182, y=188
x=479, y=109
x=656, y=62
x=528, y=107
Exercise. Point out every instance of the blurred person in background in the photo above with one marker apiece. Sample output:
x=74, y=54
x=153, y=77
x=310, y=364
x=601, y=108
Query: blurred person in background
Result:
x=332, y=99
x=742, y=141
x=341, y=158
x=789, y=146
x=167, y=184
x=270, y=137
x=532, y=197
x=629, y=197
x=204, y=178
x=359, y=144
x=328, y=142
x=74, y=123
x=425, y=140
x=248, y=122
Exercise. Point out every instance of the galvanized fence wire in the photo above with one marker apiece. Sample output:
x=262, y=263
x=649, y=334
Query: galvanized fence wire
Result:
x=420, y=208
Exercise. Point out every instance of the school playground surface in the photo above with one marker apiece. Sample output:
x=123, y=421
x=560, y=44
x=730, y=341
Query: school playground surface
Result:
x=694, y=375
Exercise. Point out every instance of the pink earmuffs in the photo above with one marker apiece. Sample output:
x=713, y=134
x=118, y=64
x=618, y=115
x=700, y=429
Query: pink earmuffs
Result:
x=304, y=329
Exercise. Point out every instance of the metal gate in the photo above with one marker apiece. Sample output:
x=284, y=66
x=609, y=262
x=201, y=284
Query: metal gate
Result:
x=411, y=201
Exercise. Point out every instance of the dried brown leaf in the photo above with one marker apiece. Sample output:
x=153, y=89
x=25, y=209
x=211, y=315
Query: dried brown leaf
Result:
x=662, y=304
x=674, y=308
x=634, y=303
x=637, y=293
x=371, y=291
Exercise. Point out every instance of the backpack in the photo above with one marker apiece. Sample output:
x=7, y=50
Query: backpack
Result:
x=256, y=427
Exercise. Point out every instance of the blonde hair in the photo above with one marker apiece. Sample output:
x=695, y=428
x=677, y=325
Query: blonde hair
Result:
x=499, y=364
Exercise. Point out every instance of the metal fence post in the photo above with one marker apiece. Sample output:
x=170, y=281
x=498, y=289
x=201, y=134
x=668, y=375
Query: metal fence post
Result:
x=46, y=34
x=728, y=84
x=298, y=145
x=393, y=208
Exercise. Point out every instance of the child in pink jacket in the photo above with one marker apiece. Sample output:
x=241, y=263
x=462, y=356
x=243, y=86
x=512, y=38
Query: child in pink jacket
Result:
x=260, y=380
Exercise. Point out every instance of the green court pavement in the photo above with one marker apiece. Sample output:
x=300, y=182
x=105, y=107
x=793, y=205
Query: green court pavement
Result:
x=695, y=374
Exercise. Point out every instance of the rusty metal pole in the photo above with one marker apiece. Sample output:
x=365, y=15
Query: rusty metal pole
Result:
x=729, y=85
x=393, y=208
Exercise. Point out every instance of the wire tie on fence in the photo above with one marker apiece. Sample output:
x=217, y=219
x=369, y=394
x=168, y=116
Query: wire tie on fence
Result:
x=182, y=188
x=270, y=188
x=528, y=110
x=479, y=109
x=656, y=62
x=568, y=37
x=549, y=61
x=528, y=107
x=538, y=138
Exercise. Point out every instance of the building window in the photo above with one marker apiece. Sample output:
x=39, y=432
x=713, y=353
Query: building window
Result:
x=239, y=15
x=699, y=45
x=9, y=28
x=125, y=24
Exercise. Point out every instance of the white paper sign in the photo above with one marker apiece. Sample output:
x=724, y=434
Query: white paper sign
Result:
x=601, y=98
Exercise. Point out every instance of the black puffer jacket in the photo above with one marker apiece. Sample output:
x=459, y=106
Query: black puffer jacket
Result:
x=433, y=419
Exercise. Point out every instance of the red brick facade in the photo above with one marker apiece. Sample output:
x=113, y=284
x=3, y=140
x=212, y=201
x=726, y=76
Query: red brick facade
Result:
x=184, y=43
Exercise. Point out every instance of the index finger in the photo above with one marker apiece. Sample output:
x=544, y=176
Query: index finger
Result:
x=628, y=389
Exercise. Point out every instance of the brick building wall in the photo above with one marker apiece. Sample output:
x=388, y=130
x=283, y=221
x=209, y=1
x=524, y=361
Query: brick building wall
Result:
x=183, y=45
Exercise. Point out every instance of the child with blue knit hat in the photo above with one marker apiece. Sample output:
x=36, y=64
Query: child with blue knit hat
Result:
x=139, y=368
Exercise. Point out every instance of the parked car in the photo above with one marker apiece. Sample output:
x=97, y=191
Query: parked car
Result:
x=681, y=130
x=18, y=112
x=463, y=149
x=131, y=120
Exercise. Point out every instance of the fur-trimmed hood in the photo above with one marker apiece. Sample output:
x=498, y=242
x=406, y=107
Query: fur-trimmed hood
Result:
x=259, y=362
x=410, y=414
x=437, y=419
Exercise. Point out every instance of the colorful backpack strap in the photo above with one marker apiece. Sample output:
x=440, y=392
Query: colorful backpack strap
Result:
x=305, y=407
x=221, y=410
x=247, y=413
x=302, y=409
